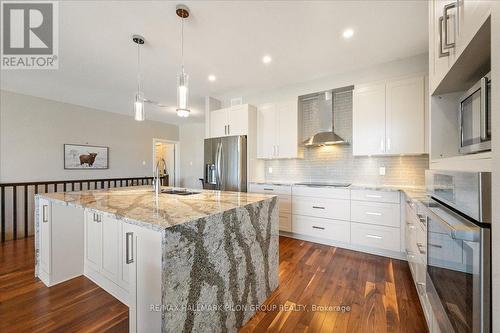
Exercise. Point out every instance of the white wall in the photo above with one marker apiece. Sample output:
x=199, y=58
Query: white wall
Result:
x=33, y=131
x=402, y=67
x=495, y=232
x=191, y=150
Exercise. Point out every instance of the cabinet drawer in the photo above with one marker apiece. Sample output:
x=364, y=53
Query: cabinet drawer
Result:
x=375, y=236
x=321, y=207
x=285, y=222
x=321, y=228
x=321, y=192
x=379, y=213
x=376, y=196
x=271, y=189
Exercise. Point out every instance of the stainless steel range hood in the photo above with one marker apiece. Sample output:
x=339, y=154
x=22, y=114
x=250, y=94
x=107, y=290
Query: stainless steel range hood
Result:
x=325, y=134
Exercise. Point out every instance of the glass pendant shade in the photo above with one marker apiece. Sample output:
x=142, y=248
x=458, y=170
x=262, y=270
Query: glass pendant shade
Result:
x=139, y=107
x=182, y=95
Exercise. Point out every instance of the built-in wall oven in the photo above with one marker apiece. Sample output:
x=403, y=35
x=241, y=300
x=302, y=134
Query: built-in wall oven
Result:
x=475, y=118
x=458, y=214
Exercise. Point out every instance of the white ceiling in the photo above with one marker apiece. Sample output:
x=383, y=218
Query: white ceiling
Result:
x=227, y=38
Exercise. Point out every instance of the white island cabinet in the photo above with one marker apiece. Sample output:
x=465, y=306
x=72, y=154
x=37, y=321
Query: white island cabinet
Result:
x=162, y=256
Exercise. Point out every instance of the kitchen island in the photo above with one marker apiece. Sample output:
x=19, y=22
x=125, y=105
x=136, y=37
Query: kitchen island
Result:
x=182, y=263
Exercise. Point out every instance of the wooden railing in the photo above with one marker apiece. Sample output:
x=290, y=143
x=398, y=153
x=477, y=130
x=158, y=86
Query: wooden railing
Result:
x=17, y=202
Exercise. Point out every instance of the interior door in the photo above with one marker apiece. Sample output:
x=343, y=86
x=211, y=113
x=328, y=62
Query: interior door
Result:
x=369, y=120
x=238, y=120
x=287, y=142
x=405, y=116
x=218, y=123
x=266, y=130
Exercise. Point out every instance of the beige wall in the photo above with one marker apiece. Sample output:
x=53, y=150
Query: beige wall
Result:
x=191, y=150
x=33, y=131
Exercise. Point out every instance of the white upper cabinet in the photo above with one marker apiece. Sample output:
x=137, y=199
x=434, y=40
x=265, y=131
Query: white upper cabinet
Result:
x=278, y=130
x=368, y=128
x=452, y=25
x=405, y=116
x=229, y=121
x=389, y=118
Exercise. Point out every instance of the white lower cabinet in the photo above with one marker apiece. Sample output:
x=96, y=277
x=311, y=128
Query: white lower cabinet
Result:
x=284, y=194
x=59, y=237
x=285, y=222
x=379, y=213
x=375, y=236
x=334, y=230
x=321, y=207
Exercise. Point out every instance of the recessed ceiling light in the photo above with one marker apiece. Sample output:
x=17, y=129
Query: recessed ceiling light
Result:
x=348, y=33
x=212, y=78
x=266, y=59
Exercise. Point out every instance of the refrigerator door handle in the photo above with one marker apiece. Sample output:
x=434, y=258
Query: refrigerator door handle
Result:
x=218, y=163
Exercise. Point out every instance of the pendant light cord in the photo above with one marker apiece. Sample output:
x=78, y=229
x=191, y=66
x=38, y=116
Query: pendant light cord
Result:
x=182, y=43
x=138, y=67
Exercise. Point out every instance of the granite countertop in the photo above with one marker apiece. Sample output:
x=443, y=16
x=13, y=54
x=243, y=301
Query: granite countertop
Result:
x=139, y=204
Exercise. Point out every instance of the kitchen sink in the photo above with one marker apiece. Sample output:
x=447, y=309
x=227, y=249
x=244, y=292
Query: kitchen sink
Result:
x=178, y=192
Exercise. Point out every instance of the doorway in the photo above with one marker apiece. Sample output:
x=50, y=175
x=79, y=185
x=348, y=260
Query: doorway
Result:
x=169, y=152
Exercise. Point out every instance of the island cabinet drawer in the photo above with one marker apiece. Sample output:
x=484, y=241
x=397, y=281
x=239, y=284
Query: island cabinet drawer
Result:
x=285, y=222
x=379, y=213
x=375, y=236
x=321, y=207
x=321, y=192
x=334, y=230
x=376, y=196
x=271, y=189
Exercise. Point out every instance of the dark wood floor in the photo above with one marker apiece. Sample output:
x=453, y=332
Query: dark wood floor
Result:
x=376, y=293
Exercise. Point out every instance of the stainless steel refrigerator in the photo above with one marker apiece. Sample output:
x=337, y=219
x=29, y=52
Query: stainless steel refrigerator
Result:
x=226, y=163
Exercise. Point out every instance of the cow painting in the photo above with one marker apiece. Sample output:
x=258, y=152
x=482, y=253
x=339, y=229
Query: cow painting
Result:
x=88, y=159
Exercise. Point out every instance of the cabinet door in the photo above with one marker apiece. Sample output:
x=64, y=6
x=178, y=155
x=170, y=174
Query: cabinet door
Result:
x=218, y=123
x=405, y=116
x=266, y=130
x=110, y=247
x=145, y=277
x=472, y=15
x=238, y=120
x=439, y=62
x=369, y=120
x=45, y=235
x=93, y=244
x=287, y=142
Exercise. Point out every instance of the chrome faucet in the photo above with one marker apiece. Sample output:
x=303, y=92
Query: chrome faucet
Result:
x=156, y=176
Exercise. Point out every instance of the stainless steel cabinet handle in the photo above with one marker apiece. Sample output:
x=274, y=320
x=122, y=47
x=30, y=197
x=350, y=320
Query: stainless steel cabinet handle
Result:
x=441, y=53
x=129, y=247
x=484, y=106
x=320, y=228
x=435, y=245
x=228, y=129
x=373, y=236
x=373, y=196
x=318, y=207
x=445, y=21
x=97, y=218
x=268, y=189
x=45, y=217
x=374, y=213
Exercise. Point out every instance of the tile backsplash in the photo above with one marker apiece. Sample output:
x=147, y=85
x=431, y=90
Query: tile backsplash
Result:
x=337, y=164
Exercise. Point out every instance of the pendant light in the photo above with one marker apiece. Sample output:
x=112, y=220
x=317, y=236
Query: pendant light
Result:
x=139, y=95
x=182, y=79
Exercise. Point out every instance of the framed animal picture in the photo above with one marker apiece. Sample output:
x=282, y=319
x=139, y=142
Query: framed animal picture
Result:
x=77, y=157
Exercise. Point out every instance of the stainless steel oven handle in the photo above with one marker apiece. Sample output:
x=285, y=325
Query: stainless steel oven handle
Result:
x=484, y=106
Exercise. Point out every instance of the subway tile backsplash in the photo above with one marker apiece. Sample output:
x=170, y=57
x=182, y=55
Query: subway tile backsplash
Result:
x=337, y=164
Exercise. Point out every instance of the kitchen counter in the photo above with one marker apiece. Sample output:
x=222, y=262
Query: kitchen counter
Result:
x=138, y=205
x=201, y=262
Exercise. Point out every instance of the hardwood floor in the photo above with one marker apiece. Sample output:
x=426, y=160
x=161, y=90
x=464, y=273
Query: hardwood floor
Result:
x=372, y=293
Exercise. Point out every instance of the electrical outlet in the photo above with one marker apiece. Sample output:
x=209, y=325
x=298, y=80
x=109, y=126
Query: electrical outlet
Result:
x=270, y=170
x=381, y=171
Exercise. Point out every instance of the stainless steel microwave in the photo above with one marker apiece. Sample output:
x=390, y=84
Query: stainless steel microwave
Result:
x=475, y=118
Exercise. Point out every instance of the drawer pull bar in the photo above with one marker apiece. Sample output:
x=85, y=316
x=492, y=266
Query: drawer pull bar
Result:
x=129, y=247
x=318, y=207
x=320, y=228
x=373, y=196
x=435, y=245
x=373, y=236
x=374, y=213
x=268, y=189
